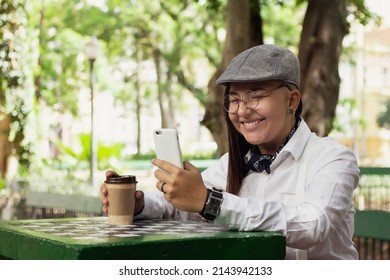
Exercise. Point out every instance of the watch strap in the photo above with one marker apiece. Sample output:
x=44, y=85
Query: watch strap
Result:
x=204, y=205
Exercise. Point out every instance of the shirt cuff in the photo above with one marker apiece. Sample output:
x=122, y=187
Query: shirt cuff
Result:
x=150, y=211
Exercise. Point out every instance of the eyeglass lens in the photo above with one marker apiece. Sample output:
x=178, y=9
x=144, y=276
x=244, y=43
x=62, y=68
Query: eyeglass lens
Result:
x=250, y=99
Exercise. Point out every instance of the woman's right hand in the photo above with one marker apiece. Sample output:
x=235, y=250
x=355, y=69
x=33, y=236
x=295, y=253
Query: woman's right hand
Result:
x=139, y=196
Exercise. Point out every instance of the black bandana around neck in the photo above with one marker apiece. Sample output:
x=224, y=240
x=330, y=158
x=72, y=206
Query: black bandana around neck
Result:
x=261, y=162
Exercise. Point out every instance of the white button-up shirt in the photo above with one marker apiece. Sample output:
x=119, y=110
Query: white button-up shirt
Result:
x=308, y=196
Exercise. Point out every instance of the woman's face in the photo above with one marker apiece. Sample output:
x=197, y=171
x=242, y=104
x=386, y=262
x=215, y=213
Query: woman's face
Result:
x=269, y=123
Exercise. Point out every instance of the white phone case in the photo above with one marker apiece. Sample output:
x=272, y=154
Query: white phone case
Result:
x=166, y=141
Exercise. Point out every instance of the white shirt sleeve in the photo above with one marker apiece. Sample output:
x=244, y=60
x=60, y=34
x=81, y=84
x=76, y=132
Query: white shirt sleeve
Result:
x=330, y=180
x=157, y=207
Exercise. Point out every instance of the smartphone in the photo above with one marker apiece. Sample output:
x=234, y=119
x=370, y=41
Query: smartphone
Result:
x=166, y=141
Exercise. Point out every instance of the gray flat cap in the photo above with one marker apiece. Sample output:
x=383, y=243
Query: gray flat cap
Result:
x=262, y=63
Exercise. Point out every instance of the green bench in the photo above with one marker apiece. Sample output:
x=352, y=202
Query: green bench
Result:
x=372, y=234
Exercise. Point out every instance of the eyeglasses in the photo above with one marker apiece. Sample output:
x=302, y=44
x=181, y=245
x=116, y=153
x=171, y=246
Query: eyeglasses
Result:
x=250, y=99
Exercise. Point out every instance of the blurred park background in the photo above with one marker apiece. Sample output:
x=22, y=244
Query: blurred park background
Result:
x=83, y=83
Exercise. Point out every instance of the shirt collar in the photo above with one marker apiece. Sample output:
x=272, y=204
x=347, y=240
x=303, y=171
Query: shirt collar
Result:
x=298, y=141
x=294, y=146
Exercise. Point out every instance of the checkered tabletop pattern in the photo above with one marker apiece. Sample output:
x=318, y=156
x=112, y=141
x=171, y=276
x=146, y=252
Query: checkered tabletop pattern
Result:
x=94, y=238
x=98, y=228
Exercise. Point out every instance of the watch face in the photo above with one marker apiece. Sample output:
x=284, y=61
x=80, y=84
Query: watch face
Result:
x=213, y=205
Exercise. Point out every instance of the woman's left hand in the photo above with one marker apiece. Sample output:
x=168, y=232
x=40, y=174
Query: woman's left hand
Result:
x=183, y=188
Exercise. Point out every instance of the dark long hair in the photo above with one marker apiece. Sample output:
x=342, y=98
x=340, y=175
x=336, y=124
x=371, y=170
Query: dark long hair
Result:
x=238, y=148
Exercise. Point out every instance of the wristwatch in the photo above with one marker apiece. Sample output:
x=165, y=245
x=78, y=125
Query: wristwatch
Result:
x=213, y=204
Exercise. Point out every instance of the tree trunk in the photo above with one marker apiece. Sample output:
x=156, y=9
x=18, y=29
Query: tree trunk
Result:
x=5, y=147
x=138, y=96
x=243, y=30
x=157, y=62
x=324, y=28
x=171, y=103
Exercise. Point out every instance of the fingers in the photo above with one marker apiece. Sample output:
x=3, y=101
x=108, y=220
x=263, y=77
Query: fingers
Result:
x=104, y=192
x=160, y=186
x=111, y=173
x=139, y=195
x=108, y=174
x=139, y=202
x=169, y=176
x=103, y=198
x=103, y=189
x=188, y=166
x=170, y=168
x=161, y=176
x=166, y=171
x=165, y=165
x=105, y=204
x=105, y=209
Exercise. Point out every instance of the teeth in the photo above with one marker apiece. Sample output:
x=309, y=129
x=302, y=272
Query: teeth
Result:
x=254, y=123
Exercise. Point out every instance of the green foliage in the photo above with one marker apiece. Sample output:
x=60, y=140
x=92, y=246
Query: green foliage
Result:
x=383, y=118
x=359, y=11
x=145, y=156
x=282, y=21
x=2, y=183
x=60, y=28
x=61, y=71
x=10, y=23
x=199, y=155
x=15, y=98
x=109, y=155
x=72, y=159
x=213, y=6
x=130, y=32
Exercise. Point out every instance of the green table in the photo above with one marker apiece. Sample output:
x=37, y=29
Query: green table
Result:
x=94, y=238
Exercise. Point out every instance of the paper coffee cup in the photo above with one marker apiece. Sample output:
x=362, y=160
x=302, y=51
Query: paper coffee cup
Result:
x=121, y=199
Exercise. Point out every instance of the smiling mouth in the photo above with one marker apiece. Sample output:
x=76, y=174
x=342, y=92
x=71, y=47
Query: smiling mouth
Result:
x=252, y=124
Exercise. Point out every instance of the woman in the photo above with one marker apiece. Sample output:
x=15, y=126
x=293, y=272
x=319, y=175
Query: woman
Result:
x=277, y=176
